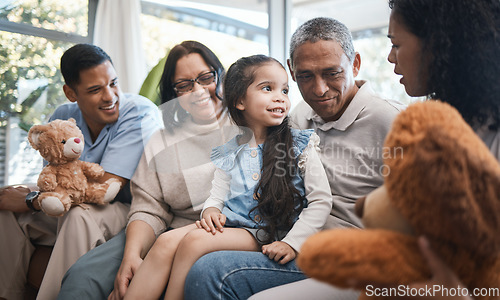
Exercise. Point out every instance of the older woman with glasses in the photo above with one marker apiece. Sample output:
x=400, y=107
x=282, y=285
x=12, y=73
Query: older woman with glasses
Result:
x=173, y=178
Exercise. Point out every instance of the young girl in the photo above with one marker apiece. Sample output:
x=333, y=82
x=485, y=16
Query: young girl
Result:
x=270, y=190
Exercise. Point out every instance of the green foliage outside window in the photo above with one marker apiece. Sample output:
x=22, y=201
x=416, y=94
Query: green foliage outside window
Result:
x=29, y=58
x=30, y=79
x=60, y=15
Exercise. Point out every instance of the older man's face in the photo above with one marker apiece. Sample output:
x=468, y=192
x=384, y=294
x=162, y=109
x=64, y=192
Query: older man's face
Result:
x=325, y=77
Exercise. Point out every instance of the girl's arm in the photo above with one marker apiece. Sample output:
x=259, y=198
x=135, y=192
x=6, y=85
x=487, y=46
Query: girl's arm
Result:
x=211, y=216
x=318, y=194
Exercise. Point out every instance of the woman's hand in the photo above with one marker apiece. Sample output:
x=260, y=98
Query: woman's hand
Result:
x=212, y=220
x=279, y=251
x=442, y=276
x=124, y=276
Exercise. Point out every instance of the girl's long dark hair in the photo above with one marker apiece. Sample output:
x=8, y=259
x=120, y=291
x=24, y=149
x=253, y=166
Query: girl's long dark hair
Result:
x=279, y=201
x=175, y=116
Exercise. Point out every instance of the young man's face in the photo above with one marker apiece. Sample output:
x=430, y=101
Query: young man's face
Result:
x=325, y=77
x=97, y=95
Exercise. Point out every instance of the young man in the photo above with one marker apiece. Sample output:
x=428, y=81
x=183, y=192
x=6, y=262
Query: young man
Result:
x=352, y=123
x=115, y=128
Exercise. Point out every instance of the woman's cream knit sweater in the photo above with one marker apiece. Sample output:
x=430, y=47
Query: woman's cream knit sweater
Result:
x=174, y=176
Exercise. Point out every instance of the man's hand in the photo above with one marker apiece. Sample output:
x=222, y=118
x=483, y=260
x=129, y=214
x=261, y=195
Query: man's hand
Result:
x=125, y=274
x=12, y=198
x=212, y=220
x=279, y=251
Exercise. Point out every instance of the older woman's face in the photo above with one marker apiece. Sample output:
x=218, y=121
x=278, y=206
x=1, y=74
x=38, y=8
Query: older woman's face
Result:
x=201, y=102
x=407, y=57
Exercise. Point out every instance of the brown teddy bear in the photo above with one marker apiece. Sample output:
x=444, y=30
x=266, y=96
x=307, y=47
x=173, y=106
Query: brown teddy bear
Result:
x=67, y=181
x=442, y=182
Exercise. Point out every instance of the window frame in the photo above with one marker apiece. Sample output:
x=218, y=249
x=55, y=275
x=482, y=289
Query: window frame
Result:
x=54, y=35
x=26, y=29
x=219, y=22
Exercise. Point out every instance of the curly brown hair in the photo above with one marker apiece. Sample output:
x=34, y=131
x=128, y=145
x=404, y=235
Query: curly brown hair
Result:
x=463, y=40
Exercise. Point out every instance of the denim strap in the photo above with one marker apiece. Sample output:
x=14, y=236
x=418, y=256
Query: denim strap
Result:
x=242, y=174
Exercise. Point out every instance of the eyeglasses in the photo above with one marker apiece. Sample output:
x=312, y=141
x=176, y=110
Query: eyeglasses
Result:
x=186, y=86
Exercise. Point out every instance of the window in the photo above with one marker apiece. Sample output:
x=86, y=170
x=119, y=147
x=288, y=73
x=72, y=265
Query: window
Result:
x=48, y=14
x=229, y=31
x=38, y=32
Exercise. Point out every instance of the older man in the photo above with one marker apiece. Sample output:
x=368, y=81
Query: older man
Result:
x=352, y=123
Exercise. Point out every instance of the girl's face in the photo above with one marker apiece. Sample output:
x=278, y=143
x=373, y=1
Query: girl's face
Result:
x=407, y=57
x=201, y=102
x=266, y=101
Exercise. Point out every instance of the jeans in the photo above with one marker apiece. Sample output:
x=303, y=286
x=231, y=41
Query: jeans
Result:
x=93, y=274
x=236, y=275
x=307, y=289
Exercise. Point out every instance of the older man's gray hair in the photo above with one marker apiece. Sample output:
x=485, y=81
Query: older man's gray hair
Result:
x=327, y=29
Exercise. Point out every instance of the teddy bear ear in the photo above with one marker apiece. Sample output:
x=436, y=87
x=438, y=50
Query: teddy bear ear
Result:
x=72, y=120
x=34, y=134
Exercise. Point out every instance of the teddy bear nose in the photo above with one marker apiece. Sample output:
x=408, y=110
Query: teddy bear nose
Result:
x=359, y=206
x=77, y=140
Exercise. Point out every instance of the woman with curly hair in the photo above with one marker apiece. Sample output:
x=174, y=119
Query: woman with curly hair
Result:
x=448, y=50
